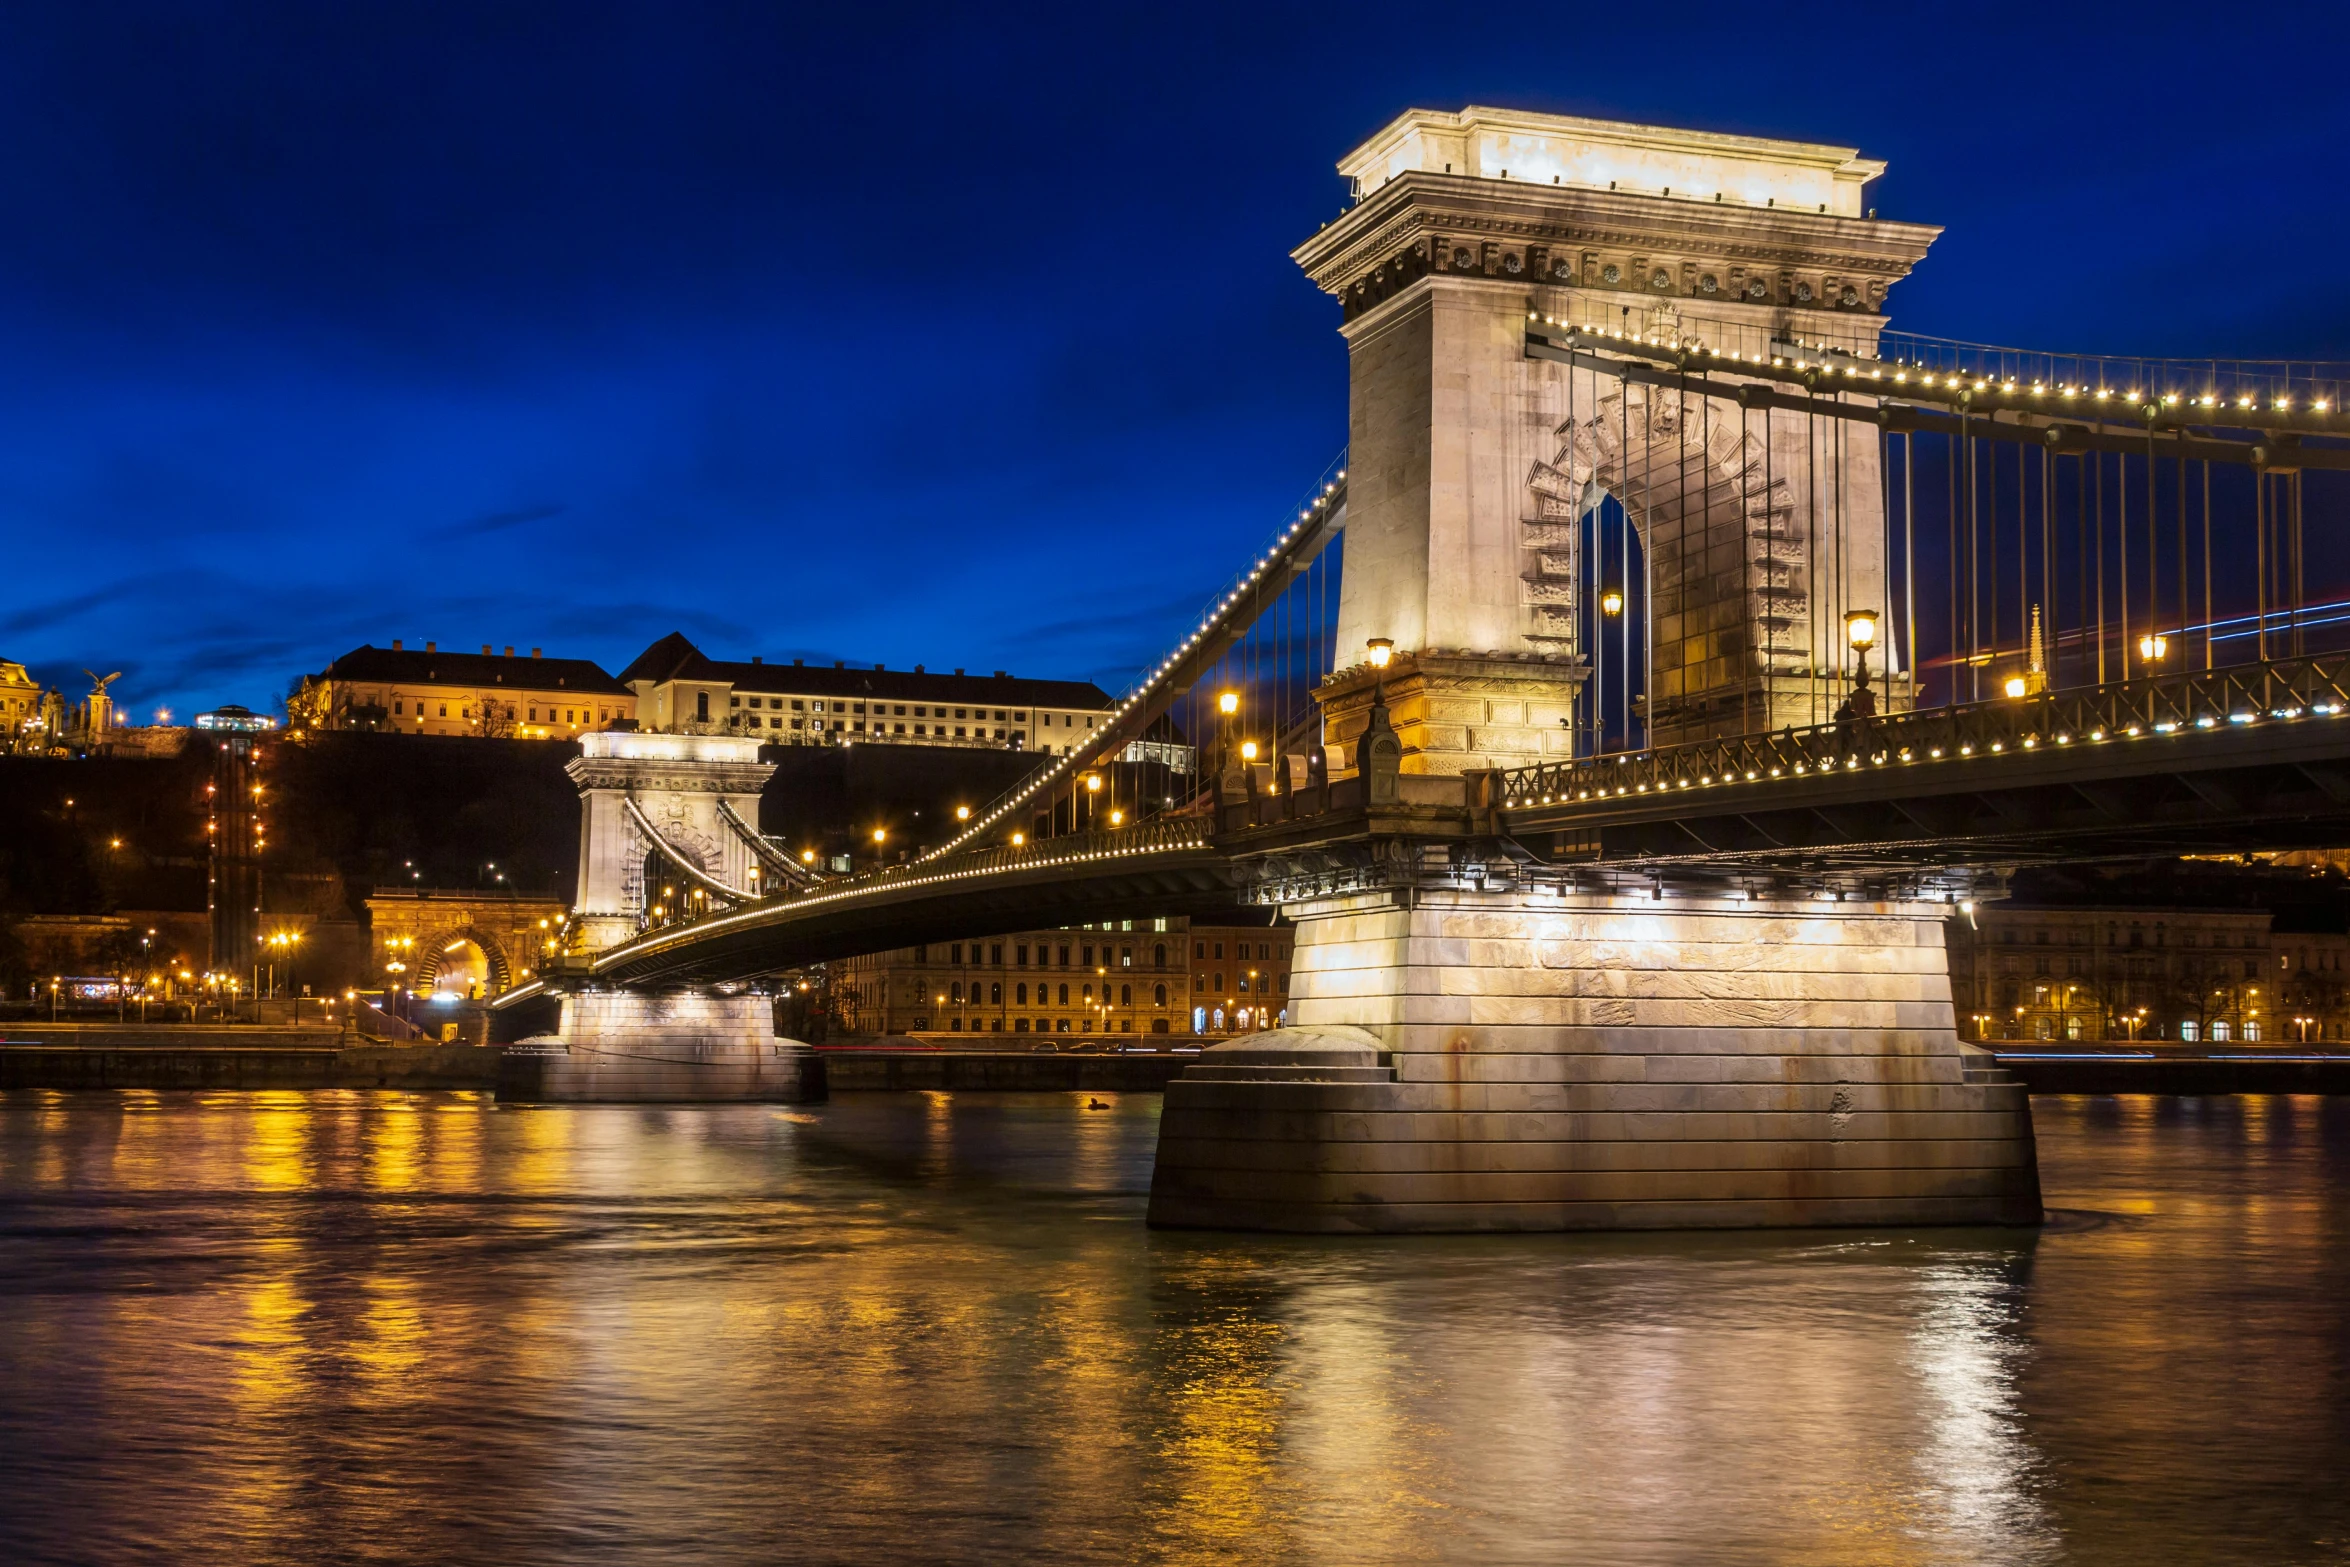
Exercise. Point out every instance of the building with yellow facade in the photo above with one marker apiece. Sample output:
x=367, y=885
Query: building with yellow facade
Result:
x=21, y=722
x=2186, y=975
x=399, y=690
x=1113, y=983
x=681, y=690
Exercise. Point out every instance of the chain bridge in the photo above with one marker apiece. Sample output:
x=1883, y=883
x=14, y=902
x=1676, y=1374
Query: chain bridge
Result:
x=1694, y=644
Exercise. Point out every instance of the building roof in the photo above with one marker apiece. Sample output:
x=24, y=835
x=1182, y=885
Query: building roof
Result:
x=415, y=666
x=675, y=658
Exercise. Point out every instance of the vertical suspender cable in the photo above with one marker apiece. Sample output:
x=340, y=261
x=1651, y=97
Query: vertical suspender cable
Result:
x=2207, y=627
x=1811, y=552
x=1991, y=574
x=1624, y=544
x=2096, y=460
x=2297, y=574
x=1909, y=558
x=1975, y=569
x=2121, y=539
x=1950, y=445
x=2260, y=561
x=2182, y=532
x=1748, y=607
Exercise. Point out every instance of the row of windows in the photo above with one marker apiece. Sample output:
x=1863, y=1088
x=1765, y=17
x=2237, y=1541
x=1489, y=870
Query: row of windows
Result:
x=1045, y=955
x=995, y=995
x=1264, y=983
x=2189, y=1031
x=1201, y=985
x=1202, y=1021
x=1199, y=949
x=571, y=715
x=1050, y=955
x=1044, y=1025
x=843, y=725
x=2076, y=967
x=881, y=709
x=2113, y=937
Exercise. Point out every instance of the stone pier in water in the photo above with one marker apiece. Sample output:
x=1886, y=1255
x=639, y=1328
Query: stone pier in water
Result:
x=1511, y=1061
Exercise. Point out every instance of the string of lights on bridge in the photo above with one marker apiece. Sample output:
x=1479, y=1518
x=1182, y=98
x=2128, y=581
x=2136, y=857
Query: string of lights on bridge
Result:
x=1045, y=856
x=1314, y=512
x=1522, y=795
x=1828, y=359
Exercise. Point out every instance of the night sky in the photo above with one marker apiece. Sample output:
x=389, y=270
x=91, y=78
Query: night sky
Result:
x=965, y=338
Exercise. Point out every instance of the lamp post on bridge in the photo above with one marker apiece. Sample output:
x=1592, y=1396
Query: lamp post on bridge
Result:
x=1611, y=605
x=1860, y=634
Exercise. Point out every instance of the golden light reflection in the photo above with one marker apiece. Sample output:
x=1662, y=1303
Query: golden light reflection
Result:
x=1225, y=1409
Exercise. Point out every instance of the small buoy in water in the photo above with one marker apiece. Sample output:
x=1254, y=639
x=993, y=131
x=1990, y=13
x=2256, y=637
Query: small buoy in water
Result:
x=1095, y=1104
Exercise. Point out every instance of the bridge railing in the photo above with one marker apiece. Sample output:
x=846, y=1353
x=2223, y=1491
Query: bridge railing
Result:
x=2231, y=698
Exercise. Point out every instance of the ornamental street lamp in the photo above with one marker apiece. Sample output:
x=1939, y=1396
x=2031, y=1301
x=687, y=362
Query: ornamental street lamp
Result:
x=1611, y=603
x=2153, y=647
x=1860, y=634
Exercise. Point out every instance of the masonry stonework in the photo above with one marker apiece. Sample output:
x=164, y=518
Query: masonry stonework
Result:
x=1472, y=464
x=1518, y=1061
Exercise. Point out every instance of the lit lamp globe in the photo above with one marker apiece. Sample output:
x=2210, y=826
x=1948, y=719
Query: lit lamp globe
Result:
x=2015, y=686
x=1382, y=651
x=2153, y=646
x=1611, y=603
x=1248, y=750
x=1860, y=628
x=1228, y=703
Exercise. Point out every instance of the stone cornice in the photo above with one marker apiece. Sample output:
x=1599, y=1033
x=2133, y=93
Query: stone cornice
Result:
x=691, y=778
x=1431, y=224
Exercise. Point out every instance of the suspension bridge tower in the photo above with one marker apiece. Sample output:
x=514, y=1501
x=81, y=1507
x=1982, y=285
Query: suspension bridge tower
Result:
x=667, y=835
x=1475, y=470
x=1483, y=1040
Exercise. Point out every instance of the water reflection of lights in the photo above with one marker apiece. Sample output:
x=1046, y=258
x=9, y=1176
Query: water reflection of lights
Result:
x=421, y=1324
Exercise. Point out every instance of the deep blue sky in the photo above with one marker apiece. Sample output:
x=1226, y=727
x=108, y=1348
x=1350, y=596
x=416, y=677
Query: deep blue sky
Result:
x=964, y=338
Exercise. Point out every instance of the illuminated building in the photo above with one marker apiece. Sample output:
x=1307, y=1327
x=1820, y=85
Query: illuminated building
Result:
x=1081, y=984
x=399, y=690
x=22, y=727
x=679, y=689
x=2182, y=975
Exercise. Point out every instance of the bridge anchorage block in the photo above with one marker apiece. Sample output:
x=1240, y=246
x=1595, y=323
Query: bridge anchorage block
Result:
x=695, y=1046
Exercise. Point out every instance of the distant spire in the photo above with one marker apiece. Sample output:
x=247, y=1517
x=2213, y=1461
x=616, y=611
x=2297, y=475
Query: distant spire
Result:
x=2036, y=658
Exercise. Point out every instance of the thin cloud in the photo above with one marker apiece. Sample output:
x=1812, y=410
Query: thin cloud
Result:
x=494, y=522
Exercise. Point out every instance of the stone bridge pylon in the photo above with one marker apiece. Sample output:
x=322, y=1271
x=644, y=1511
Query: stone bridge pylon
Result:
x=1485, y=1044
x=1473, y=464
x=667, y=825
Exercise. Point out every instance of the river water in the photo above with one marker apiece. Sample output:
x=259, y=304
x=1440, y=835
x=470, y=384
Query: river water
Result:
x=361, y=1327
